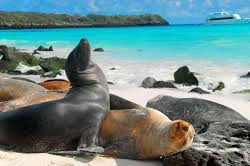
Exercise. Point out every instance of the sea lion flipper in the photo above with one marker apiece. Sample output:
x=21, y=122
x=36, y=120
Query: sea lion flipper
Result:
x=93, y=149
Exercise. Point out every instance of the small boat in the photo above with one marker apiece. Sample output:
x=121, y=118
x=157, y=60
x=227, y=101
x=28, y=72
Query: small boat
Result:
x=226, y=18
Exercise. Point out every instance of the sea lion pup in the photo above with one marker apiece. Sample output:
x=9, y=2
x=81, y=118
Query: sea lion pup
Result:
x=56, y=84
x=65, y=124
x=142, y=133
x=11, y=89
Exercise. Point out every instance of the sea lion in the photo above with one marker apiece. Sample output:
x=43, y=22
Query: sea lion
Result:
x=135, y=132
x=56, y=84
x=64, y=124
x=30, y=99
x=11, y=89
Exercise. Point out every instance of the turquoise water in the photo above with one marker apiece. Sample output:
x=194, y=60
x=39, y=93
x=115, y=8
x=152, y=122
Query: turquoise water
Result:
x=214, y=43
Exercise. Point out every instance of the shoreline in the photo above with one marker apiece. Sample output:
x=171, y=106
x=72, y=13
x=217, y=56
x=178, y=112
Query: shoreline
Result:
x=3, y=27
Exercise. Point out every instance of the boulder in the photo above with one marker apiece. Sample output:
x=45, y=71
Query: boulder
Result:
x=99, y=50
x=34, y=72
x=199, y=91
x=246, y=76
x=199, y=112
x=163, y=84
x=221, y=144
x=41, y=48
x=7, y=52
x=184, y=76
x=219, y=87
x=52, y=64
x=148, y=82
x=222, y=135
x=35, y=52
x=113, y=68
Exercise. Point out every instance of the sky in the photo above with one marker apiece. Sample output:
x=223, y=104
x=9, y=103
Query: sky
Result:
x=175, y=11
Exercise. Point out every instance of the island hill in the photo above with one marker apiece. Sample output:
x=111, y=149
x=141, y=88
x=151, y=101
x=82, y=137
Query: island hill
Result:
x=21, y=20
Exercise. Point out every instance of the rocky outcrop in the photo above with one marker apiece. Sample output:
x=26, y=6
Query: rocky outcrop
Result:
x=222, y=135
x=164, y=84
x=199, y=91
x=148, y=82
x=99, y=50
x=52, y=64
x=184, y=76
x=41, y=48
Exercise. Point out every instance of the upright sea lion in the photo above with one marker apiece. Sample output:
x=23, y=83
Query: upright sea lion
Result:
x=65, y=124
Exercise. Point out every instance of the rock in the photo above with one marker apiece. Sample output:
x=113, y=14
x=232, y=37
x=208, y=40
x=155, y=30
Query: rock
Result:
x=184, y=76
x=198, y=90
x=35, y=52
x=51, y=48
x=245, y=91
x=219, y=87
x=51, y=74
x=52, y=64
x=246, y=76
x=200, y=113
x=148, y=82
x=7, y=52
x=99, y=50
x=113, y=68
x=221, y=144
x=163, y=84
x=41, y=48
x=222, y=135
x=110, y=83
x=34, y=72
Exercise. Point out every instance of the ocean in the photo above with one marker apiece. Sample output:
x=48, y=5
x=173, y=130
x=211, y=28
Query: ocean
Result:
x=217, y=53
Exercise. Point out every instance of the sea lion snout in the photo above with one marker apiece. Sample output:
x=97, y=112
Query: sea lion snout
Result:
x=182, y=134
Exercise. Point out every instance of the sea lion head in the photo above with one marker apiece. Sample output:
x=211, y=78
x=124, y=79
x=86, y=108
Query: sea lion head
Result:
x=180, y=136
x=79, y=69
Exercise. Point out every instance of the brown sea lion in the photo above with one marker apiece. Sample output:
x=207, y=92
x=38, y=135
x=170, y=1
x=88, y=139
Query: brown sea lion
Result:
x=65, y=124
x=30, y=99
x=11, y=89
x=56, y=84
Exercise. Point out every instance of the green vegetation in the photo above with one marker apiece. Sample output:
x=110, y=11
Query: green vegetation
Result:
x=43, y=20
x=52, y=64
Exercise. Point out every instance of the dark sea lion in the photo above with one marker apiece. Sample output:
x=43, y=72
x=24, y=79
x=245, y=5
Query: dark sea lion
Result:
x=65, y=124
x=56, y=84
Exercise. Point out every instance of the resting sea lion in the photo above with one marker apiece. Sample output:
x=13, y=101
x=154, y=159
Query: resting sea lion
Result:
x=65, y=124
x=56, y=84
x=30, y=99
x=11, y=89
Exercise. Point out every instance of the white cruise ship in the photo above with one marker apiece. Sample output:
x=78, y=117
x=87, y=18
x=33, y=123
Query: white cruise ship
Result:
x=226, y=18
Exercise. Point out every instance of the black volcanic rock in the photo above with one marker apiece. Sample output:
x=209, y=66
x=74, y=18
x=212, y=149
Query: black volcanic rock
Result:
x=41, y=48
x=184, y=76
x=246, y=76
x=198, y=90
x=219, y=87
x=222, y=135
x=164, y=84
x=99, y=50
x=148, y=82
x=199, y=112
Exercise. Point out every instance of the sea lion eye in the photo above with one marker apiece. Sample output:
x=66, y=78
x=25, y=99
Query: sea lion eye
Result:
x=185, y=128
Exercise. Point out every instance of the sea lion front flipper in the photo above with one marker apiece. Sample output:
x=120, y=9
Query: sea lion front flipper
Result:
x=92, y=149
